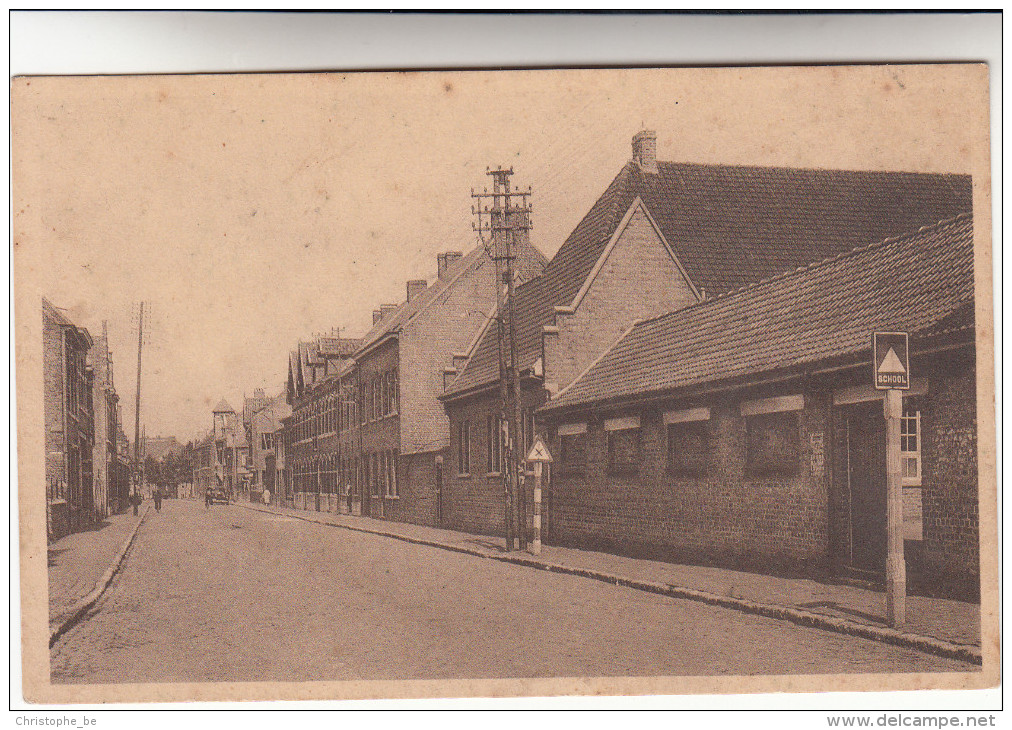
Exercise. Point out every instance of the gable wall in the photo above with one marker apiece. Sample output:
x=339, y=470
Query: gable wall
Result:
x=639, y=279
x=427, y=345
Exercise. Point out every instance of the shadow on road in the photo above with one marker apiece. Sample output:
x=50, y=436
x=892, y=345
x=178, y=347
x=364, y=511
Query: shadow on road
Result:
x=843, y=609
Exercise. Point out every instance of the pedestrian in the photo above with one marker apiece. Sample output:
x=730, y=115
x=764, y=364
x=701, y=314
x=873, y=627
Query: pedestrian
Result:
x=267, y=496
x=136, y=499
x=207, y=498
x=158, y=500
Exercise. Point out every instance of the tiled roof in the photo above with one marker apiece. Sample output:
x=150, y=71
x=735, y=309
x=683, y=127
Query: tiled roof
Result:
x=338, y=346
x=223, y=407
x=733, y=225
x=532, y=313
x=825, y=310
x=158, y=447
x=530, y=262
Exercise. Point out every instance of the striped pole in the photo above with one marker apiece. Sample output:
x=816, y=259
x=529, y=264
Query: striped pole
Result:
x=535, y=546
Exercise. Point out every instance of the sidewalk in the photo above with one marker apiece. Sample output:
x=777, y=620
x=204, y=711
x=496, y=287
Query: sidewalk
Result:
x=938, y=625
x=78, y=561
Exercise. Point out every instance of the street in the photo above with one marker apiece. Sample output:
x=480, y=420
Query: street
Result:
x=231, y=594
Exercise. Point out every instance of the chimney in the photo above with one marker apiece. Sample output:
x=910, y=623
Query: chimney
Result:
x=445, y=261
x=449, y=375
x=416, y=287
x=644, y=150
x=386, y=309
x=377, y=315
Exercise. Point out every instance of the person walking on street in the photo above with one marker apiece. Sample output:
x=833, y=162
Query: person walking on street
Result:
x=207, y=498
x=266, y=496
x=136, y=499
x=158, y=500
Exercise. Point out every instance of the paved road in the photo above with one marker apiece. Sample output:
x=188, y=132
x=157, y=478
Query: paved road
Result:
x=230, y=594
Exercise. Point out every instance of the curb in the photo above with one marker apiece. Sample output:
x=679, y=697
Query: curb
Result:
x=928, y=644
x=79, y=609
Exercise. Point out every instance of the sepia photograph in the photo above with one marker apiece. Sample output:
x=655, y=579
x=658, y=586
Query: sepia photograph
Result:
x=504, y=383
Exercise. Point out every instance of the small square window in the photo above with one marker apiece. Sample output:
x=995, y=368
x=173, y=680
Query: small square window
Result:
x=689, y=448
x=573, y=451
x=773, y=444
x=624, y=450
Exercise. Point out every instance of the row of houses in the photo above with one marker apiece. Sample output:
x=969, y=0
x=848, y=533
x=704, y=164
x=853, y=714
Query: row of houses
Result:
x=87, y=453
x=696, y=355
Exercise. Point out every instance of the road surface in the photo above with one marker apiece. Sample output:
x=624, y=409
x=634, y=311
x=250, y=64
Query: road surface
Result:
x=231, y=594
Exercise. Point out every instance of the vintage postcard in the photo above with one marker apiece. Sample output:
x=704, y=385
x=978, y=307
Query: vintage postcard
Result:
x=499, y=383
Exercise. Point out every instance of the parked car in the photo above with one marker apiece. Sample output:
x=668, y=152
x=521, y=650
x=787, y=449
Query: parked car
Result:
x=220, y=496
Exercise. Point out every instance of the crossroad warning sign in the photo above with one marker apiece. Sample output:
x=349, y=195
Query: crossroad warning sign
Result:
x=539, y=452
x=891, y=355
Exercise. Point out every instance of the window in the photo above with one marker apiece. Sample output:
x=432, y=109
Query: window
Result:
x=573, y=451
x=772, y=443
x=391, y=479
x=363, y=402
x=395, y=391
x=494, y=443
x=624, y=450
x=688, y=448
x=910, y=446
x=464, y=447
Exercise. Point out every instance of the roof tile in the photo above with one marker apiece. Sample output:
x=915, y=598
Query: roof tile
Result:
x=922, y=282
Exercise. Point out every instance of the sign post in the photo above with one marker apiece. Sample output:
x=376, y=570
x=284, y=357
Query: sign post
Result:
x=891, y=357
x=538, y=456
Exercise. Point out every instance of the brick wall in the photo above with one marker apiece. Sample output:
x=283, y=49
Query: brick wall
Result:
x=951, y=544
x=476, y=502
x=639, y=279
x=54, y=414
x=416, y=479
x=728, y=517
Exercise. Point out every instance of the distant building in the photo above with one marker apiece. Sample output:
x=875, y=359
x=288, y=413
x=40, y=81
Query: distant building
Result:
x=205, y=474
x=70, y=424
x=158, y=447
x=230, y=449
x=264, y=428
x=110, y=490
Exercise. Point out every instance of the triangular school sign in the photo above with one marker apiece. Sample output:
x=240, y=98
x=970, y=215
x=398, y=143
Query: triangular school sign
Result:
x=891, y=356
x=539, y=452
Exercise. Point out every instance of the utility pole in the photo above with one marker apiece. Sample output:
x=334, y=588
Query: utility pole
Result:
x=506, y=221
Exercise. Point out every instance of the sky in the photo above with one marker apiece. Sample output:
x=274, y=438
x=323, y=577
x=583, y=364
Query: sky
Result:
x=252, y=211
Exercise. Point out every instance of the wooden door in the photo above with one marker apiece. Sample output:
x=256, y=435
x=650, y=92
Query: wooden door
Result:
x=866, y=460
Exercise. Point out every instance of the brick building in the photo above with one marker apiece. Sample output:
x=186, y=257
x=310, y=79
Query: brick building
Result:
x=311, y=444
x=744, y=430
x=402, y=430
x=661, y=237
x=369, y=436
x=69, y=415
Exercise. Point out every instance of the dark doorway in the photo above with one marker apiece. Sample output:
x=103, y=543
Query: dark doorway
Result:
x=866, y=463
